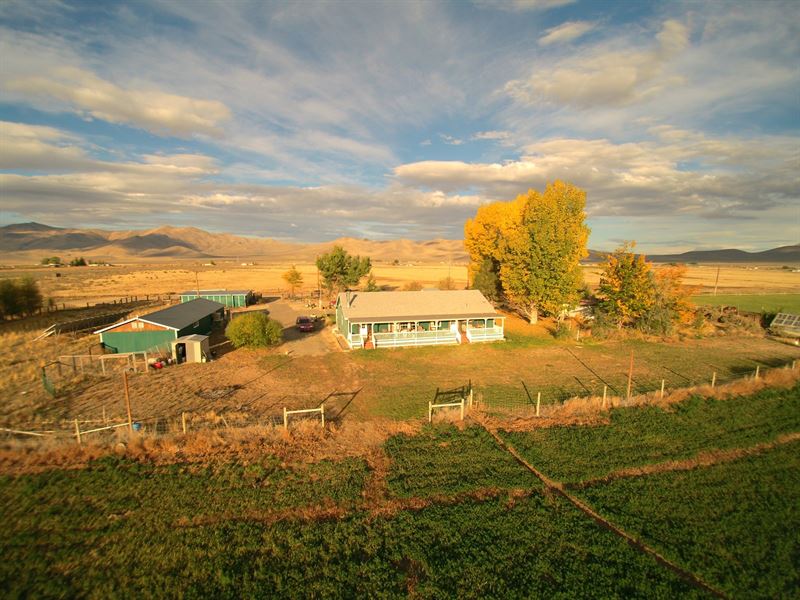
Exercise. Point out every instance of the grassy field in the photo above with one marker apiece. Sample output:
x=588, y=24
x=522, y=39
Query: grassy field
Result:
x=446, y=513
x=736, y=524
x=647, y=435
x=753, y=302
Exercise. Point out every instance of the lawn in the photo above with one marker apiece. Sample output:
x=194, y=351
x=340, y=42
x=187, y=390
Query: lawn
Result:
x=753, y=302
x=734, y=524
x=646, y=435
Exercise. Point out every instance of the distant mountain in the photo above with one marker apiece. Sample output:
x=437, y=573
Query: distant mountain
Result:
x=783, y=254
x=31, y=241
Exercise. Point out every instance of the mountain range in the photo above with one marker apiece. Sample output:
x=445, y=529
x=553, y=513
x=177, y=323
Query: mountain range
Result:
x=25, y=242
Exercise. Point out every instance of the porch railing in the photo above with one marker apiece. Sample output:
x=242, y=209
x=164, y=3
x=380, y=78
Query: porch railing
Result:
x=414, y=338
x=484, y=334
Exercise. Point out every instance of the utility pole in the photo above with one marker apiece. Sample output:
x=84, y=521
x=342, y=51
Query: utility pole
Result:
x=197, y=282
x=319, y=289
x=716, y=281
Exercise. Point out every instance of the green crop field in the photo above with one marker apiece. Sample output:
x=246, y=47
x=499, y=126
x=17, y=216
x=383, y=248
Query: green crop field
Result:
x=753, y=302
x=445, y=513
x=735, y=524
x=649, y=434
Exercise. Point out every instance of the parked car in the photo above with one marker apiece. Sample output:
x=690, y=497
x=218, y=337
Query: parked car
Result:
x=305, y=324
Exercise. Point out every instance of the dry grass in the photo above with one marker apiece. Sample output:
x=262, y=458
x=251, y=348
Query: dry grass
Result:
x=306, y=442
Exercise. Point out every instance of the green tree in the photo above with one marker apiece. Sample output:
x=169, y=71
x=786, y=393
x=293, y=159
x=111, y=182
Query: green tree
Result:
x=10, y=305
x=535, y=244
x=254, y=330
x=447, y=283
x=51, y=260
x=294, y=278
x=77, y=262
x=372, y=285
x=486, y=280
x=340, y=271
x=29, y=295
x=627, y=287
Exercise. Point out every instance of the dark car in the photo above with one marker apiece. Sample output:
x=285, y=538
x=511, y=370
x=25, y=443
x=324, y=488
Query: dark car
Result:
x=305, y=324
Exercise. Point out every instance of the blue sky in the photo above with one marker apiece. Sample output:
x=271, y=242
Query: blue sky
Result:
x=312, y=121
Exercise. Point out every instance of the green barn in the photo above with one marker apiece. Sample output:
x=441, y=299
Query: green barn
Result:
x=158, y=329
x=230, y=298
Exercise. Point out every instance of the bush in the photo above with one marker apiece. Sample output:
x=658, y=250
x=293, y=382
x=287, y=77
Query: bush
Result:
x=562, y=331
x=254, y=330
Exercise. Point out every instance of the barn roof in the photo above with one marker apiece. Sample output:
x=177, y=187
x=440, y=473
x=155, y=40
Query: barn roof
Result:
x=178, y=316
x=415, y=306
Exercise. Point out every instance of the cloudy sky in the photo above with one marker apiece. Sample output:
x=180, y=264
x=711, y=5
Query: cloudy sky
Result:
x=314, y=121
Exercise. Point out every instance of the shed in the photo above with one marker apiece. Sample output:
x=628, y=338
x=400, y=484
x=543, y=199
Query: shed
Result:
x=230, y=298
x=157, y=330
x=191, y=348
x=381, y=319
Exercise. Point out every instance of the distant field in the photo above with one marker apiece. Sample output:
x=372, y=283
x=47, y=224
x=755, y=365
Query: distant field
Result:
x=753, y=302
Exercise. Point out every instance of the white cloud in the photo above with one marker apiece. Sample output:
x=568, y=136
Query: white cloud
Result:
x=684, y=172
x=145, y=107
x=450, y=140
x=566, y=32
x=522, y=5
x=598, y=76
x=491, y=135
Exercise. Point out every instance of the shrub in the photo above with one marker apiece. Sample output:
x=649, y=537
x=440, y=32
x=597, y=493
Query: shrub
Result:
x=254, y=330
x=562, y=331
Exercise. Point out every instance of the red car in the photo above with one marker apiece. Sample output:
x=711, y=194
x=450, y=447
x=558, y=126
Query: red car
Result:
x=305, y=324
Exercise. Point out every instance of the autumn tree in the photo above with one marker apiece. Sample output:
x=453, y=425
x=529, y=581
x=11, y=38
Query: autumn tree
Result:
x=534, y=245
x=340, y=271
x=486, y=280
x=448, y=283
x=627, y=286
x=294, y=278
x=372, y=284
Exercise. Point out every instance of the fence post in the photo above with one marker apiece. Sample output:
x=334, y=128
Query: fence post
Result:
x=605, y=389
x=285, y=419
x=430, y=411
x=662, y=388
x=714, y=379
x=323, y=414
x=183, y=422
x=758, y=367
x=538, y=401
x=105, y=421
x=77, y=431
x=462, y=409
x=630, y=376
x=127, y=401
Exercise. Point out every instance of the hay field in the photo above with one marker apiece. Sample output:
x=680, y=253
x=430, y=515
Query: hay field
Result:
x=78, y=285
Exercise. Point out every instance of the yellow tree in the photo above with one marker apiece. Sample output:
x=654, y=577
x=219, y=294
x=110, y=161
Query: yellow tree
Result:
x=627, y=286
x=293, y=277
x=535, y=243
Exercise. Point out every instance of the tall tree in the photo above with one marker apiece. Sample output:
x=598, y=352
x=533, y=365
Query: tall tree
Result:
x=340, y=270
x=486, y=280
x=534, y=244
x=627, y=286
x=29, y=295
x=293, y=277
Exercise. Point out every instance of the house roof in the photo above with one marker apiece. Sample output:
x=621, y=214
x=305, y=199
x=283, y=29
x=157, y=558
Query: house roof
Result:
x=176, y=317
x=216, y=292
x=415, y=306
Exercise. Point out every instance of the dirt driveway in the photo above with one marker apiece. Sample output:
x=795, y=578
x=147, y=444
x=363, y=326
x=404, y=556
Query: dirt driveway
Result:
x=316, y=343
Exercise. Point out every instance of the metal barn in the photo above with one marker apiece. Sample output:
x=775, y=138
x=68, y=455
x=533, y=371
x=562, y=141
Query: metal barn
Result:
x=230, y=298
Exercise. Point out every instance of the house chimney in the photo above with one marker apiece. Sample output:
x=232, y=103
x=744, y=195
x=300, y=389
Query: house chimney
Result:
x=348, y=297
